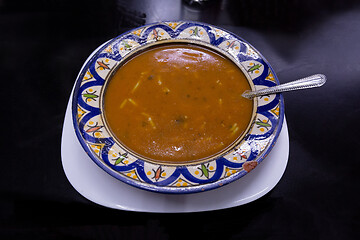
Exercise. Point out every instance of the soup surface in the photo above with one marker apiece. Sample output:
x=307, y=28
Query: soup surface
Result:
x=177, y=103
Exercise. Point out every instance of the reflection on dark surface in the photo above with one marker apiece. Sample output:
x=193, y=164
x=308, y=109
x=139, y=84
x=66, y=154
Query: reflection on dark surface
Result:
x=277, y=15
x=283, y=15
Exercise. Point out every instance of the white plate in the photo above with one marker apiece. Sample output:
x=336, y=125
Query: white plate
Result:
x=99, y=187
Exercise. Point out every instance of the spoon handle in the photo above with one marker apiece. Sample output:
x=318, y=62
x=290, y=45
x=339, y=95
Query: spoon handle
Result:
x=316, y=80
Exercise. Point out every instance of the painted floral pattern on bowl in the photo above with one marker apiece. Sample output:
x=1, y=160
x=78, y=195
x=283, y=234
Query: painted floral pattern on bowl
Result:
x=107, y=153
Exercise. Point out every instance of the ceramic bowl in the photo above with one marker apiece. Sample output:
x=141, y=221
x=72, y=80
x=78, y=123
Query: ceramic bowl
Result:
x=96, y=138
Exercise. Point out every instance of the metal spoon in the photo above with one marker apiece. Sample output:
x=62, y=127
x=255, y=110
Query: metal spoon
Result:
x=316, y=80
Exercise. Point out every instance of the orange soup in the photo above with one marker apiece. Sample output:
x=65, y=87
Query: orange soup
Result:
x=177, y=103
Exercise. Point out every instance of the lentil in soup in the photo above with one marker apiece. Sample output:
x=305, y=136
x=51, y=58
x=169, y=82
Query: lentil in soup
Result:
x=177, y=103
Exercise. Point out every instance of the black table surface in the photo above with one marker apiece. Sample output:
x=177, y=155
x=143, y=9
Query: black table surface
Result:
x=43, y=45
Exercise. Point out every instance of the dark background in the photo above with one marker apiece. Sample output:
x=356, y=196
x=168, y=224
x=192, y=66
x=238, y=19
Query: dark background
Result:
x=43, y=45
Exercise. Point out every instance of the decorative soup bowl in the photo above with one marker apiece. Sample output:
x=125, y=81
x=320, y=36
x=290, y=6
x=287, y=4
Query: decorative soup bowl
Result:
x=160, y=107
